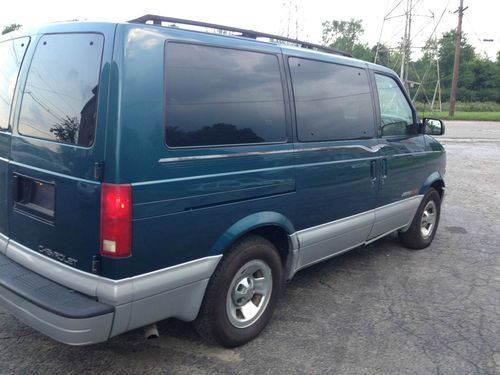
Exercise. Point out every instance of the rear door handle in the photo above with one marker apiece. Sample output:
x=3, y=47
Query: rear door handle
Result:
x=384, y=171
x=15, y=189
x=373, y=171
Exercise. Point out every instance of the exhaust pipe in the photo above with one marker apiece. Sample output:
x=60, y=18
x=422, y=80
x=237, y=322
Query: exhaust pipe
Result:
x=151, y=332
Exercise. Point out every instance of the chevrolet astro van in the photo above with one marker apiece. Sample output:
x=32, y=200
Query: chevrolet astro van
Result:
x=149, y=171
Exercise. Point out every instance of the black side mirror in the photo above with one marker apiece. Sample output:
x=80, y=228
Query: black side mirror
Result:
x=433, y=126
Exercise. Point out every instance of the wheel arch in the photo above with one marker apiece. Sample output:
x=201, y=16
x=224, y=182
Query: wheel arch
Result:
x=436, y=181
x=273, y=226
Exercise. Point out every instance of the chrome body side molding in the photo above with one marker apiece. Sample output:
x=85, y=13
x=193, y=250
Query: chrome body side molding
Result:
x=373, y=149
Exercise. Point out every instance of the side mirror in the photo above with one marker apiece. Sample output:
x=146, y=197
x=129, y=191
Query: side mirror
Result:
x=433, y=126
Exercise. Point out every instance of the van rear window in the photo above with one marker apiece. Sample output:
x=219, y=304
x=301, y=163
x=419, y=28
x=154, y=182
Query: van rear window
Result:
x=332, y=101
x=221, y=96
x=60, y=96
x=11, y=56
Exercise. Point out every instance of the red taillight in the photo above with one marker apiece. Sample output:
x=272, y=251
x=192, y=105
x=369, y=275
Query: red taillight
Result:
x=116, y=220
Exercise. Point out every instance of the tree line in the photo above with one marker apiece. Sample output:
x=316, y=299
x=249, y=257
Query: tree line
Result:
x=479, y=77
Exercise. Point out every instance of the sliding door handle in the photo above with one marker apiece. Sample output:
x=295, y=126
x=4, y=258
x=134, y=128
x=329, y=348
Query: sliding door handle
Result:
x=373, y=171
x=383, y=175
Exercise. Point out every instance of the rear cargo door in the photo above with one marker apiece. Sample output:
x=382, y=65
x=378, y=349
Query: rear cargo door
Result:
x=58, y=146
x=11, y=57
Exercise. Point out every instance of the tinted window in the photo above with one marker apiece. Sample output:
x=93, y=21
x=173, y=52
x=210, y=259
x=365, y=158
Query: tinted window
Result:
x=332, y=102
x=395, y=112
x=220, y=96
x=60, y=97
x=11, y=56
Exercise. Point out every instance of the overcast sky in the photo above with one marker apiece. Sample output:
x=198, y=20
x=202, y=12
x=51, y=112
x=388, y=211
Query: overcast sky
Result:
x=279, y=16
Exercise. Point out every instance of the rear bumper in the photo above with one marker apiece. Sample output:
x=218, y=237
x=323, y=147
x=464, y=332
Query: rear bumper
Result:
x=67, y=330
x=80, y=308
x=58, y=312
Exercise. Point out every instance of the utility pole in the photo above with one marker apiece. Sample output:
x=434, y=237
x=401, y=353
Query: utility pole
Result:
x=406, y=45
x=458, y=42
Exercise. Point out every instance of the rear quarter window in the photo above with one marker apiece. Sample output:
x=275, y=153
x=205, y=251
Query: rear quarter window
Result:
x=11, y=56
x=60, y=96
x=220, y=96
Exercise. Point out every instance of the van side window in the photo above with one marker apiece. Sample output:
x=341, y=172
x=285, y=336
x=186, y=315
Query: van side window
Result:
x=395, y=112
x=332, y=102
x=11, y=57
x=60, y=97
x=221, y=96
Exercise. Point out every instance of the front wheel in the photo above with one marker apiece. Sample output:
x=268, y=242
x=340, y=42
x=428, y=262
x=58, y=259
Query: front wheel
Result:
x=242, y=293
x=425, y=223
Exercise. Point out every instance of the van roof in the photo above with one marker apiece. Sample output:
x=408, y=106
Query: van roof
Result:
x=245, y=33
x=289, y=46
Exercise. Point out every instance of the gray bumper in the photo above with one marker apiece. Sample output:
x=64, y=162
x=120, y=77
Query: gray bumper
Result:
x=90, y=308
x=67, y=330
x=58, y=312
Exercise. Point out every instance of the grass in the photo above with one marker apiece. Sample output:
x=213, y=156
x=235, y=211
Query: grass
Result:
x=464, y=106
x=466, y=111
x=461, y=115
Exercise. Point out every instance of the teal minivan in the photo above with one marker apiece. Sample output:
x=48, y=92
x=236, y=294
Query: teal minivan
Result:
x=149, y=171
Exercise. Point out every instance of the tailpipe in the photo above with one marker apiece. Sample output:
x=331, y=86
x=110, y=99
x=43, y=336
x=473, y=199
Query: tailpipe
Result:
x=151, y=332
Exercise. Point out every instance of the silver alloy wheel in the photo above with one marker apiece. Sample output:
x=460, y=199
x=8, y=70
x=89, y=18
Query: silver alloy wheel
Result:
x=428, y=221
x=249, y=293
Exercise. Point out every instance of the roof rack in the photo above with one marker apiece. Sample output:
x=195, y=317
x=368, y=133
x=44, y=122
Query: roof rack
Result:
x=158, y=20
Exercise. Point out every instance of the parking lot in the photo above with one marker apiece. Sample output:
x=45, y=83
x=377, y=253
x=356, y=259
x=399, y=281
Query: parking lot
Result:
x=376, y=309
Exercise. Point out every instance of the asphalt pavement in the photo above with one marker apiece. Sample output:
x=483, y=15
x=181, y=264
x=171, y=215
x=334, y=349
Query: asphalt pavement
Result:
x=380, y=309
x=463, y=131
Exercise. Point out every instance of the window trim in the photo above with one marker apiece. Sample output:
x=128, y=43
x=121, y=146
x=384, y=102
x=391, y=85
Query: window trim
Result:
x=374, y=135
x=379, y=111
x=8, y=129
x=99, y=81
x=214, y=45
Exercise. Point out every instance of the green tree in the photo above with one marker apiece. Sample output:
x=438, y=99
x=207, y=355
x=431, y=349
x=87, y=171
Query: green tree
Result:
x=384, y=55
x=342, y=34
x=10, y=28
x=346, y=36
x=363, y=52
x=484, y=81
x=446, y=53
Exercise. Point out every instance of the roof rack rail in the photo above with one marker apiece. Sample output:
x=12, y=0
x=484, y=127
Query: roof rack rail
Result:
x=157, y=20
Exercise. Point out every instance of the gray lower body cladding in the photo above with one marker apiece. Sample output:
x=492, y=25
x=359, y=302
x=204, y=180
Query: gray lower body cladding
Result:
x=102, y=308
x=78, y=308
x=58, y=312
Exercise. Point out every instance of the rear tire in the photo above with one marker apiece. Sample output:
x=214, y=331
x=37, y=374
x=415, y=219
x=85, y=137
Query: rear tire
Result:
x=425, y=223
x=242, y=293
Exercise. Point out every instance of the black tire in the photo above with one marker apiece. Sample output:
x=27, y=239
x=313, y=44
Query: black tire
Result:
x=414, y=237
x=214, y=321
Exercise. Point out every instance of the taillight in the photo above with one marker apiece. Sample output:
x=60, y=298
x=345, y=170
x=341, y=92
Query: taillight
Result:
x=116, y=220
